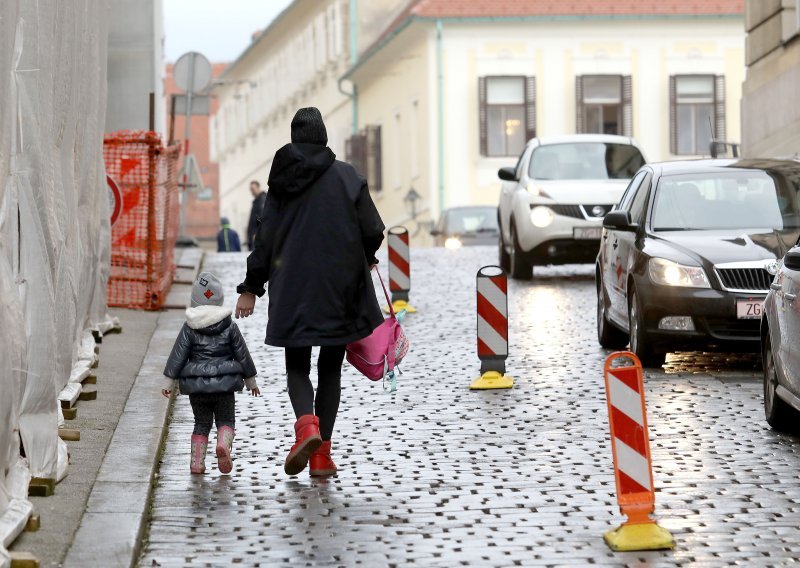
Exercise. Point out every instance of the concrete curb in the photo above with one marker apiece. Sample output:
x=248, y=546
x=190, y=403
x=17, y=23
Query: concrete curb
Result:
x=112, y=527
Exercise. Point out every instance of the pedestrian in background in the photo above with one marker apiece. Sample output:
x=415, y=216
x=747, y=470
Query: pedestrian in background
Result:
x=210, y=362
x=227, y=238
x=315, y=247
x=256, y=212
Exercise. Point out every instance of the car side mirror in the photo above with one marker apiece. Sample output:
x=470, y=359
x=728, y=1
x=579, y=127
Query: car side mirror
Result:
x=435, y=232
x=619, y=220
x=507, y=174
x=792, y=260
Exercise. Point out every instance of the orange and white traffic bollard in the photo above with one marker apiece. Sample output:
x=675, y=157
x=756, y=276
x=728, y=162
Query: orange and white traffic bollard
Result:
x=630, y=445
x=492, y=292
x=399, y=269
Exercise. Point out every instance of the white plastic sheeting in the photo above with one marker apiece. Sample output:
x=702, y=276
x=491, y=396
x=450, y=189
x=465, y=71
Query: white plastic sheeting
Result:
x=54, y=227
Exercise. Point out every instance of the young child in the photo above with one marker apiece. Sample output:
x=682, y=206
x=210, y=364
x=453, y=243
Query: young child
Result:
x=210, y=362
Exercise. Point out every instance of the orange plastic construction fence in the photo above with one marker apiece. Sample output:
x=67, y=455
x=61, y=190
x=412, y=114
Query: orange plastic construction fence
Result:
x=144, y=178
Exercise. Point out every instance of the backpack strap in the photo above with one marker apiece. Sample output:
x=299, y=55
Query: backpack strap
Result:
x=385, y=293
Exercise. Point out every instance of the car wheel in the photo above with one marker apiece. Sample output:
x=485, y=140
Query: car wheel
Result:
x=640, y=343
x=502, y=254
x=521, y=269
x=780, y=415
x=608, y=335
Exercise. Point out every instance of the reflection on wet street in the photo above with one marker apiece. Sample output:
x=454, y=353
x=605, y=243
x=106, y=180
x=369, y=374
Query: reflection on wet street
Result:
x=438, y=475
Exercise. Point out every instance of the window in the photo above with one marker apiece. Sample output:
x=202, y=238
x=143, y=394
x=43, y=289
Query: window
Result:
x=363, y=152
x=697, y=105
x=639, y=202
x=585, y=160
x=624, y=203
x=603, y=105
x=507, y=114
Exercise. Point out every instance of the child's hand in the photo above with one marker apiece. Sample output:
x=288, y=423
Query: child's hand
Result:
x=255, y=392
x=166, y=392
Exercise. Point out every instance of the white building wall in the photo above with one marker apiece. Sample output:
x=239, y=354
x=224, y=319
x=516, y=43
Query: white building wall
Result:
x=296, y=64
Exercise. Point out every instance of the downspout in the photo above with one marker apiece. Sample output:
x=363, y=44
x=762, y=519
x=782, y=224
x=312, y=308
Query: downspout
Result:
x=354, y=58
x=440, y=110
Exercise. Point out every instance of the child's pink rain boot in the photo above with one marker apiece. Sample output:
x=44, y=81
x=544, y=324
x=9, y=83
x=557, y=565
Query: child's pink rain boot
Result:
x=199, y=446
x=224, y=443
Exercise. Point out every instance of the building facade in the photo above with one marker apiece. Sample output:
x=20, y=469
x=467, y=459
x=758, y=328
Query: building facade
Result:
x=451, y=91
x=296, y=62
x=202, y=205
x=770, y=114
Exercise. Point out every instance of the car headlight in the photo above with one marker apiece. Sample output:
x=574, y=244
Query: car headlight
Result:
x=541, y=216
x=452, y=243
x=669, y=273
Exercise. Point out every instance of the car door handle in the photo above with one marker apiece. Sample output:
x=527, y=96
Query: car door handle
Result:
x=776, y=286
x=790, y=297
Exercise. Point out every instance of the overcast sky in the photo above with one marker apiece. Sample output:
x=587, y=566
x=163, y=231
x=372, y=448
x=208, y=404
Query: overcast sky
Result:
x=219, y=29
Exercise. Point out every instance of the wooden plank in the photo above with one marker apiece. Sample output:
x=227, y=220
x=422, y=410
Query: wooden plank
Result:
x=41, y=487
x=23, y=560
x=88, y=395
x=70, y=413
x=34, y=524
x=90, y=380
x=69, y=434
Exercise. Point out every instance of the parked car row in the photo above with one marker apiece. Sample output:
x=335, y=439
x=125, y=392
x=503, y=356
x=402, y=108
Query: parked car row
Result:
x=690, y=255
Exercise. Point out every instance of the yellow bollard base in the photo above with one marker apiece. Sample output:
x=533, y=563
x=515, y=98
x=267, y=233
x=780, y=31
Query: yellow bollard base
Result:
x=401, y=305
x=492, y=380
x=646, y=536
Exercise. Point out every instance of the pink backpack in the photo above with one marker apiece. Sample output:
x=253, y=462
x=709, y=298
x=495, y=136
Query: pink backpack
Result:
x=382, y=351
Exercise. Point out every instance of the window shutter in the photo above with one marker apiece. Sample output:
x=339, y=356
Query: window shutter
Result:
x=374, y=169
x=530, y=108
x=482, y=116
x=579, y=128
x=355, y=152
x=627, y=106
x=673, y=117
x=719, y=108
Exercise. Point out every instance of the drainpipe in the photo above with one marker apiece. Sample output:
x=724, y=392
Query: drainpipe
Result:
x=440, y=110
x=354, y=58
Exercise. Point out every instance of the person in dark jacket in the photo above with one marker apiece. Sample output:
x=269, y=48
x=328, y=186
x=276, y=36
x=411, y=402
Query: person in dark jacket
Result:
x=256, y=212
x=210, y=362
x=227, y=238
x=315, y=248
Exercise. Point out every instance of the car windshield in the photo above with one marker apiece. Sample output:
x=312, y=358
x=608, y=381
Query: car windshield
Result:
x=731, y=200
x=471, y=220
x=585, y=160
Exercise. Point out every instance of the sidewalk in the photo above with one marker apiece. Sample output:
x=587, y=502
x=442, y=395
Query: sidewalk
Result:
x=96, y=514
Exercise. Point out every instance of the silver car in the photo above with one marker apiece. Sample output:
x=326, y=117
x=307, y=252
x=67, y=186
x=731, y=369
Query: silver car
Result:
x=553, y=202
x=466, y=226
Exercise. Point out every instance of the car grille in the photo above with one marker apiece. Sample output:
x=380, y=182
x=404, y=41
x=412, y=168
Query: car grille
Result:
x=755, y=279
x=579, y=211
x=728, y=328
x=568, y=210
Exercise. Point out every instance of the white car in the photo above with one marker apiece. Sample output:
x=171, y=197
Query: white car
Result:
x=553, y=202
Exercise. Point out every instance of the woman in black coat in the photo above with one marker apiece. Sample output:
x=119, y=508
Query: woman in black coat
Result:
x=315, y=245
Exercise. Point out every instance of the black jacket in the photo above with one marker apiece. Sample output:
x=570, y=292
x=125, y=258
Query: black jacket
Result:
x=209, y=358
x=256, y=214
x=320, y=233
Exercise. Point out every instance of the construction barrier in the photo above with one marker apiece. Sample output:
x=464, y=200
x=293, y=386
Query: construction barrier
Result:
x=399, y=269
x=630, y=445
x=492, y=328
x=145, y=229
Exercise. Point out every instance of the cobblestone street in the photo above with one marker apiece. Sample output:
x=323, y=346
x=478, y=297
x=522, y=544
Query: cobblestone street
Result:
x=438, y=475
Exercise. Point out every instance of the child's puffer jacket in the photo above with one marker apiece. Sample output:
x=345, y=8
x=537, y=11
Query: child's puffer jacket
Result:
x=210, y=355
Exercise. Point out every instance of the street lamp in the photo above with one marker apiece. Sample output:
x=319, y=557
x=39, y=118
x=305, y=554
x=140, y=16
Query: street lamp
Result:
x=410, y=201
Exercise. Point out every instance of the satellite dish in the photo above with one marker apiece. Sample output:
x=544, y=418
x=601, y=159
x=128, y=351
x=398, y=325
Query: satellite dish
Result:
x=192, y=72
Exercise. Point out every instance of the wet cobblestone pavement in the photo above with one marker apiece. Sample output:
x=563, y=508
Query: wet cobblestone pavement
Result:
x=438, y=475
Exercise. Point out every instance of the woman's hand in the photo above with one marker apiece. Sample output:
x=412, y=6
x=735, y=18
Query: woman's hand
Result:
x=245, y=305
x=255, y=392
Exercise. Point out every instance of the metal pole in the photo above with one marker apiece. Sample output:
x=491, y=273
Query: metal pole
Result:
x=440, y=110
x=186, y=158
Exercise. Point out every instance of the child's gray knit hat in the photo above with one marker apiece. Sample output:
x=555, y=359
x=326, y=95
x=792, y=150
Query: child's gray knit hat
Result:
x=207, y=290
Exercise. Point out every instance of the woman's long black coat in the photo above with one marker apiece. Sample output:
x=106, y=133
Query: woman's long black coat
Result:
x=319, y=233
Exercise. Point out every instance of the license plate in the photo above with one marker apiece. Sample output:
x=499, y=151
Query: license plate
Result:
x=749, y=309
x=587, y=233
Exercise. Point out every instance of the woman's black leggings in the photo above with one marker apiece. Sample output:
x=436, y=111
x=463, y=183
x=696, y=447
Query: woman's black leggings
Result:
x=329, y=384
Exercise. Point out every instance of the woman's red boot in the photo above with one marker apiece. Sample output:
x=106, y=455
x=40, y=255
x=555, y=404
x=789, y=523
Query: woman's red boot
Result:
x=321, y=464
x=306, y=431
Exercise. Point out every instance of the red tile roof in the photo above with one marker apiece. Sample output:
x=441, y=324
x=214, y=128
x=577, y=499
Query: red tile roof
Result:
x=511, y=8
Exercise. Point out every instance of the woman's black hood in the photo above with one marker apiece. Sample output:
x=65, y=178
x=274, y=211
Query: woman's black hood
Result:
x=297, y=166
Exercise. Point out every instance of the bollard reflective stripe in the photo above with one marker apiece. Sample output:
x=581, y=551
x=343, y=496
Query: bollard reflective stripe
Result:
x=399, y=263
x=492, y=315
x=630, y=447
x=492, y=328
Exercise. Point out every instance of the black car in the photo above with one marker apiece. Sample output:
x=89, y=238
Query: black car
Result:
x=466, y=225
x=687, y=257
x=780, y=337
